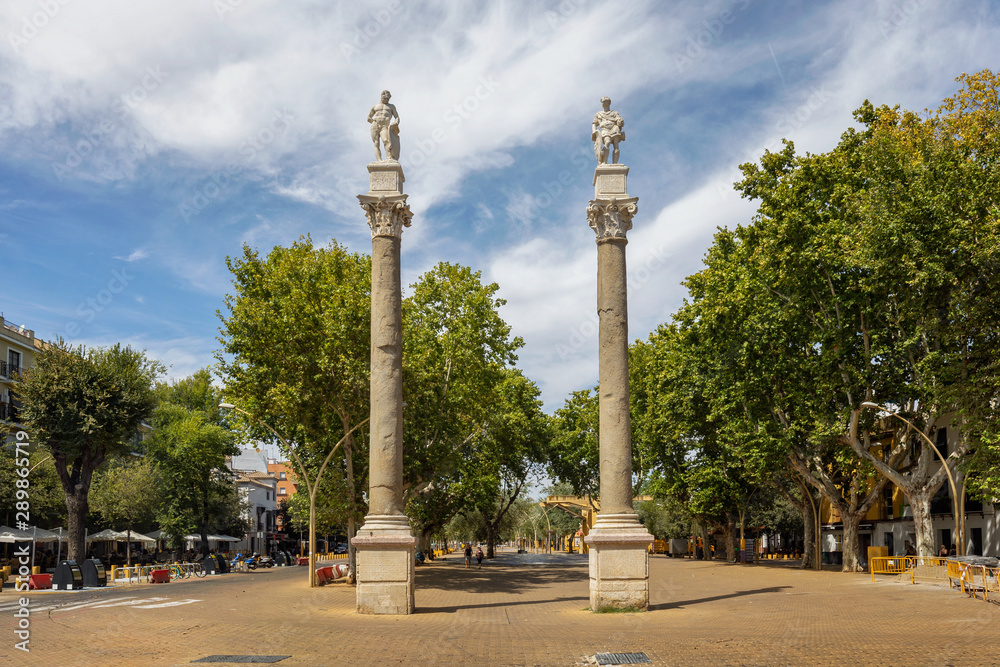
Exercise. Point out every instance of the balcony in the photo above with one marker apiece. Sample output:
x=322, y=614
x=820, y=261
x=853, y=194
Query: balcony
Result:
x=7, y=370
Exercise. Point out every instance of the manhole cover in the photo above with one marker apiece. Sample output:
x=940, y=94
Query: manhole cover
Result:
x=246, y=658
x=622, y=658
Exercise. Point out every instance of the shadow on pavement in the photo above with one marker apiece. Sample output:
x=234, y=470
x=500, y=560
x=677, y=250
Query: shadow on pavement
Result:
x=504, y=574
x=737, y=594
x=454, y=608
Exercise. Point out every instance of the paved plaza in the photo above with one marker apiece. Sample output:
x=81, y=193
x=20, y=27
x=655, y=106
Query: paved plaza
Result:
x=517, y=610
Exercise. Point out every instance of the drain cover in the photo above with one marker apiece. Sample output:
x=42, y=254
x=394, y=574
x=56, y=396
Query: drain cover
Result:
x=246, y=658
x=622, y=658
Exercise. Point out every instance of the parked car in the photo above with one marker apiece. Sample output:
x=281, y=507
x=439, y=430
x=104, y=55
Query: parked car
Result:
x=340, y=549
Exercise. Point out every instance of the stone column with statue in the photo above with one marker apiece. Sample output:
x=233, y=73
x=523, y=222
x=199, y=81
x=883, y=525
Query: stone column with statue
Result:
x=385, y=543
x=618, y=542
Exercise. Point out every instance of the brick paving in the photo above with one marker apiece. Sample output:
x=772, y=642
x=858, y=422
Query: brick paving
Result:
x=522, y=610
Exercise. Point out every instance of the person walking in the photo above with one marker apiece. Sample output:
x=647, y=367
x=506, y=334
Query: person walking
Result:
x=479, y=557
x=468, y=554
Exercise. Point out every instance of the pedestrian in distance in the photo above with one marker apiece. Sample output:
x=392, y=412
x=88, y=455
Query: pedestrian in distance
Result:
x=943, y=551
x=479, y=557
x=468, y=555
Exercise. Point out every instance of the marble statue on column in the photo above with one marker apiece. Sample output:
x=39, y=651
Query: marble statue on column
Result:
x=607, y=132
x=385, y=128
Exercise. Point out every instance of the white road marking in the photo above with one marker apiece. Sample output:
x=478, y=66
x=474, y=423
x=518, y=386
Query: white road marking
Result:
x=176, y=603
x=85, y=604
x=128, y=603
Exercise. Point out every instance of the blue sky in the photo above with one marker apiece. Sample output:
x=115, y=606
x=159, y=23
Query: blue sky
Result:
x=143, y=142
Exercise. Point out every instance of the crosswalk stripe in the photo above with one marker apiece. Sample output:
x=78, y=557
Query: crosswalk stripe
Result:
x=175, y=603
x=85, y=604
x=127, y=603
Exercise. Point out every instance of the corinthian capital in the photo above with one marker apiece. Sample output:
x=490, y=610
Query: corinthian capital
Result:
x=611, y=218
x=387, y=217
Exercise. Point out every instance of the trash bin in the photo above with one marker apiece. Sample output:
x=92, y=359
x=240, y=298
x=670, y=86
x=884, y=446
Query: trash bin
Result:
x=67, y=576
x=94, y=574
x=279, y=559
x=210, y=565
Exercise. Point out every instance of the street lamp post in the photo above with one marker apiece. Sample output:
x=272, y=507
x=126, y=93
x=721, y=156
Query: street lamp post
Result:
x=959, y=520
x=311, y=485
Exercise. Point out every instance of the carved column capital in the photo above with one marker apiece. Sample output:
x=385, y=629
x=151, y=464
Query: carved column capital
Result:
x=611, y=218
x=386, y=216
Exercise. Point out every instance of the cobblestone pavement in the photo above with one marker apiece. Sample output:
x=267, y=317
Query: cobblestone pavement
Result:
x=518, y=610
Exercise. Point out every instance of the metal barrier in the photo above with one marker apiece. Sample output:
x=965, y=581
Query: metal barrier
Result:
x=929, y=568
x=971, y=579
x=891, y=565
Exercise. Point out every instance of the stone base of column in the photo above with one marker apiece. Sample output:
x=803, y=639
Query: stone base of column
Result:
x=619, y=562
x=385, y=547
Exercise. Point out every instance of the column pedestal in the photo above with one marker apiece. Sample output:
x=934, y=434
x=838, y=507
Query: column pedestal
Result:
x=385, y=544
x=619, y=562
x=385, y=574
x=619, y=557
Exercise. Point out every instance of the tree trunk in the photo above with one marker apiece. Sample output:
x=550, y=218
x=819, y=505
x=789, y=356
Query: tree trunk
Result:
x=352, y=556
x=425, y=541
x=729, y=531
x=808, y=537
x=76, y=509
x=923, y=528
x=851, y=548
x=491, y=533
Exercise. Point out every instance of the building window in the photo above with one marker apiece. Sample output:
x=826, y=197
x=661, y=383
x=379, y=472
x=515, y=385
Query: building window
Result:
x=13, y=362
x=281, y=475
x=942, y=441
x=281, y=490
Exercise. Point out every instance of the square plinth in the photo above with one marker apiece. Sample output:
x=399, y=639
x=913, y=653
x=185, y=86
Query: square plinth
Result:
x=610, y=180
x=385, y=576
x=385, y=178
x=619, y=568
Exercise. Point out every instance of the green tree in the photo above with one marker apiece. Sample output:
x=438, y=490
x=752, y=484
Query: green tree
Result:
x=84, y=406
x=295, y=359
x=456, y=353
x=126, y=494
x=509, y=450
x=199, y=494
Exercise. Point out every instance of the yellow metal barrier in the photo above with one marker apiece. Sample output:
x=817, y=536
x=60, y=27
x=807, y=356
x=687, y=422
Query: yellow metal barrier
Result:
x=933, y=568
x=891, y=565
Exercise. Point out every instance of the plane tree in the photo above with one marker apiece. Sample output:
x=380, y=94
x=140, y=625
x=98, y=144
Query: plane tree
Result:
x=85, y=406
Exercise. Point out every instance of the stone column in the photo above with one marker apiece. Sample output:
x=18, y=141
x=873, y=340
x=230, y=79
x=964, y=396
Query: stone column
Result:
x=385, y=542
x=619, y=559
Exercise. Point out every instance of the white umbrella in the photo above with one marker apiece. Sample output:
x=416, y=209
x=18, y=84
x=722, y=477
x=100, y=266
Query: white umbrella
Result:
x=11, y=535
x=107, y=535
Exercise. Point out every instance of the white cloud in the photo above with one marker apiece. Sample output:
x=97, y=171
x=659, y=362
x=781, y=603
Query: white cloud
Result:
x=135, y=255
